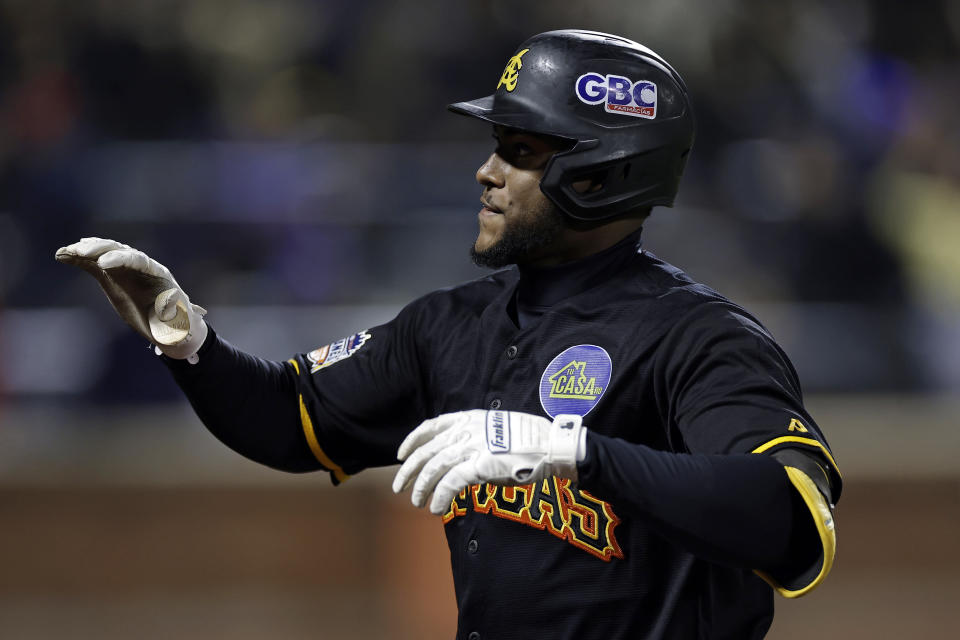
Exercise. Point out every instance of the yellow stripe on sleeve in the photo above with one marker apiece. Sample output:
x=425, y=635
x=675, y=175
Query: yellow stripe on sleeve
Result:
x=799, y=440
x=823, y=518
x=311, y=436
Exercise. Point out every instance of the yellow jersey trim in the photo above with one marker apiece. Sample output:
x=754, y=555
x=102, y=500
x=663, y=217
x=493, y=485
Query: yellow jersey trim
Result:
x=808, y=441
x=311, y=436
x=823, y=518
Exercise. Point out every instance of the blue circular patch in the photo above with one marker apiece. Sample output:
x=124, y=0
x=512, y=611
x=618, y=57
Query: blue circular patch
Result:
x=575, y=380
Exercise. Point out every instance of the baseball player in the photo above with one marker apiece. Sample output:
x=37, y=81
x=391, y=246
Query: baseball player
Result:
x=615, y=450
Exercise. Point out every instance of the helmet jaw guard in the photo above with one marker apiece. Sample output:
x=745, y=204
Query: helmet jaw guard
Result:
x=631, y=182
x=638, y=159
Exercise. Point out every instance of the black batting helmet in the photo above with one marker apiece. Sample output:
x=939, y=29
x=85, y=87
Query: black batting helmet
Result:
x=625, y=110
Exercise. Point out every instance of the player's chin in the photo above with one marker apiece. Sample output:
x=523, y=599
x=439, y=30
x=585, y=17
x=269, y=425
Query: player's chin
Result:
x=487, y=253
x=486, y=239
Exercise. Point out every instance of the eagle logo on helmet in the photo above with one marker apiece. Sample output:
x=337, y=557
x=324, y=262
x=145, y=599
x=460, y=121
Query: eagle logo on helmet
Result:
x=511, y=72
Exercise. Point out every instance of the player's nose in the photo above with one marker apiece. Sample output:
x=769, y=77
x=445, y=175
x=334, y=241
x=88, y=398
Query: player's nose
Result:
x=490, y=173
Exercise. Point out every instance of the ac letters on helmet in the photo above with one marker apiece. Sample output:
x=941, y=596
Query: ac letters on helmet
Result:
x=618, y=94
x=511, y=72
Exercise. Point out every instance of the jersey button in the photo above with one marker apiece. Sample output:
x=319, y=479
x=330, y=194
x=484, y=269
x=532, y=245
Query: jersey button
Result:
x=495, y=403
x=512, y=351
x=472, y=546
x=473, y=636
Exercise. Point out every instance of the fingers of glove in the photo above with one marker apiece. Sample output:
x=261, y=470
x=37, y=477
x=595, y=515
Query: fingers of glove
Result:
x=435, y=469
x=426, y=432
x=415, y=461
x=135, y=261
x=91, y=248
x=84, y=254
x=455, y=480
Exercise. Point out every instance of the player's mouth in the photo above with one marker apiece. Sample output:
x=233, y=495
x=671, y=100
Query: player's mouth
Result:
x=489, y=209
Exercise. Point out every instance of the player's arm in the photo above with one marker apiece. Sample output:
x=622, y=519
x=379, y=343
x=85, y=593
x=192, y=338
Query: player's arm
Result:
x=343, y=414
x=728, y=388
x=246, y=402
x=737, y=510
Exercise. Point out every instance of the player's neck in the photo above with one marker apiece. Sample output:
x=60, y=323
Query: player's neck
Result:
x=545, y=286
x=578, y=242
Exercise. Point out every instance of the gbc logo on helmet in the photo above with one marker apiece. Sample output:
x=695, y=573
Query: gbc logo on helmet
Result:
x=619, y=94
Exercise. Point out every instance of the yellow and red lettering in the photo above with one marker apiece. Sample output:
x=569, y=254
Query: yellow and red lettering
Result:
x=553, y=505
x=458, y=507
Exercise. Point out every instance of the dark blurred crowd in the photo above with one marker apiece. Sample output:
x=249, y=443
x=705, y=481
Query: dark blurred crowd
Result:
x=296, y=152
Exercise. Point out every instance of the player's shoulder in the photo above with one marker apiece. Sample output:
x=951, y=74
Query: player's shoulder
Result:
x=670, y=282
x=469, y=298
x=687, y=303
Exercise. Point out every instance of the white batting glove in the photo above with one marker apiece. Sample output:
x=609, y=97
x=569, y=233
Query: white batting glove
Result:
x=456, y=450
x=143, y=292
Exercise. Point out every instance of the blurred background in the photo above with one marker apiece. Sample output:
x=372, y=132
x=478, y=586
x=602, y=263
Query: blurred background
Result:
x=292, y=163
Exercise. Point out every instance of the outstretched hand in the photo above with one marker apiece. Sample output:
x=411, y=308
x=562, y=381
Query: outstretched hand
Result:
x=143, y=292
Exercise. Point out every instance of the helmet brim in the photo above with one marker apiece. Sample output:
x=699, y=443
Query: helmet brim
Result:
x=479, y=108
x=521, y=117
x=483, y=109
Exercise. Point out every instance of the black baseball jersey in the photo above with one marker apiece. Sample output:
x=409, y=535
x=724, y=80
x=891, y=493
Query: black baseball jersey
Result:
x=646, y=355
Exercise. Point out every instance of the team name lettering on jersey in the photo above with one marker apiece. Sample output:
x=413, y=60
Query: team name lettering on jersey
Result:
x=336, y=351
x=574, y=381
x=553, y=505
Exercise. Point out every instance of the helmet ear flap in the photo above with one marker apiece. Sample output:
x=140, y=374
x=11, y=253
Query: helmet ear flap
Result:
x=590, y=182
x=622, y=185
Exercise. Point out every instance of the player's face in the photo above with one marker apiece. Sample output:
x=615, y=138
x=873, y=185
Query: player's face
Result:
x=518, y=224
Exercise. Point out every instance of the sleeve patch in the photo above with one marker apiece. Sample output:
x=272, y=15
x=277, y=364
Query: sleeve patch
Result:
x=334, y=352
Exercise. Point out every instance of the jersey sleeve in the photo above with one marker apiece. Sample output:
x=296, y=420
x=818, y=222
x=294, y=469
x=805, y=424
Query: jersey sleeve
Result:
x=360, y=395
x=727, y=387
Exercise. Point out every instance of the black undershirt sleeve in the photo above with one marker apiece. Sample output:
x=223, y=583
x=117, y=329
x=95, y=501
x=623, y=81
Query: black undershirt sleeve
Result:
x=248, y=403
x=738, y=510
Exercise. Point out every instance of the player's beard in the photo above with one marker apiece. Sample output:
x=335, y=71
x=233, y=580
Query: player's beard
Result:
x=521, y=238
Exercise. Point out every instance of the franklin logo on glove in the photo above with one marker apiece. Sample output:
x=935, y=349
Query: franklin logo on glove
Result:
x=498, y=431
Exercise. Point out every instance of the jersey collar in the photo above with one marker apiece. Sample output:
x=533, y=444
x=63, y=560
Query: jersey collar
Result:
x=541, y=288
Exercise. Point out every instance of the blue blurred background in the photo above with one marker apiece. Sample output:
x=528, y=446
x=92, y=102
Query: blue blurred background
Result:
x=293, y=164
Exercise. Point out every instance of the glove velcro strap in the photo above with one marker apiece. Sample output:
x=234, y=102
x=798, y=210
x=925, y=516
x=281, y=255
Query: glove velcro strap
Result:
x=565, y=435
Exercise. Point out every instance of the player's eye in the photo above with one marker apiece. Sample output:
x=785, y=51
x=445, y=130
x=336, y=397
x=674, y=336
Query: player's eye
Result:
x=513, y=151
x=521, y=149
